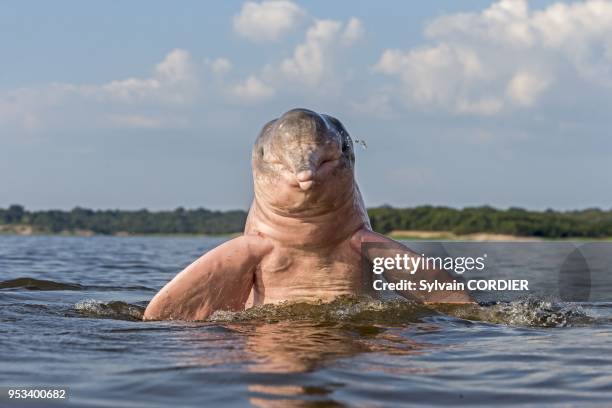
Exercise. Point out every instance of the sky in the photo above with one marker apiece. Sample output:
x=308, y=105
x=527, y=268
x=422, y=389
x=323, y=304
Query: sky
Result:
x=156, y=104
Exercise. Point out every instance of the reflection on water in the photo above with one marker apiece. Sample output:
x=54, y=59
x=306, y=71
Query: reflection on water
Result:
x=295, y=347
x=70, y=312
x=287, y=348
x=298, y=346
x=299, y=339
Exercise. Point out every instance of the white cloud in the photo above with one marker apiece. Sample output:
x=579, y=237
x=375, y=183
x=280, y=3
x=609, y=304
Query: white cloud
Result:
x=313, y=65
x=173, y=83
x=253, y=89
x=505, y=22
x=314, y=61
x=12, y=112
x=25, y=108
x=505, y=57
x=352, y=32
x=221, y=66
x=442, y=76
x=267, y=21
x=311, y=59
x=525, y=87
x=481, y=106
x=139, y=121
x=376, y=105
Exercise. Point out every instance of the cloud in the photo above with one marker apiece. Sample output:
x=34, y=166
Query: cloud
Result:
x=267, y=21
x=524, y=88
x=377, y=105
x=314, y=60
x=352, y=32
x=441, y=76
x=312, y=66
x=140, y=121
x=221, y=66
x=173, y=83
x=311, y=59
x=503, y=58
x=251, y=90
x=26, y=108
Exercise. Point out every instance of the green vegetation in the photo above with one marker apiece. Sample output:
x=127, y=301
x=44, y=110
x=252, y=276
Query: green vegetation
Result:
x=590, y=223
x=107, y=222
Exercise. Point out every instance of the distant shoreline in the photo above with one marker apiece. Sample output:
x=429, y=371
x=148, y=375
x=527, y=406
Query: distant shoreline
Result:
x=415, y=235
x=28, y=230
x=422, y=222
x=407, y=235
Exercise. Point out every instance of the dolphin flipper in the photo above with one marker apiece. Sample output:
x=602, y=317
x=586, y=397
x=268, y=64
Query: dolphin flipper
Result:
x=221, y=279
x=390, y=249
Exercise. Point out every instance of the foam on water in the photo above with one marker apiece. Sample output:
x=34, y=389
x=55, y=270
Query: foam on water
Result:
x=527, y=312
x=343, y=308
x=531, y=311
x=110, y=310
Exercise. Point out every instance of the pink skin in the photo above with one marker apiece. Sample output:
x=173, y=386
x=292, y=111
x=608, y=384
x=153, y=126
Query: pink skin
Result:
x=303, y=235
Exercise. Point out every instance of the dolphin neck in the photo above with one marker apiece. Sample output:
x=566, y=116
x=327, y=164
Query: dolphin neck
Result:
x=337, y=223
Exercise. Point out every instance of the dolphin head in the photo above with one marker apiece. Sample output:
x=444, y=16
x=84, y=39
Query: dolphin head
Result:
x=303, y=161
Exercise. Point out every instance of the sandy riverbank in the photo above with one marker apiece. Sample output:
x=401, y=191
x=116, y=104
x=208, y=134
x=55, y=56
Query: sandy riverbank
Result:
x=449, y=236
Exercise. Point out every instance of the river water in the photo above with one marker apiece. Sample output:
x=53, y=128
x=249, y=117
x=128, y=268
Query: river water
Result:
x=69, y=317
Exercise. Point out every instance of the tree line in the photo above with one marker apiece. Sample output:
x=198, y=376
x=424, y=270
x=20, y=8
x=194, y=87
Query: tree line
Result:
x=108, y=222
x=588, y=223
x=591, y=223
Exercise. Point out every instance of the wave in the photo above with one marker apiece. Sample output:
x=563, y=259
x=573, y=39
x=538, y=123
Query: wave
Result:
x=111, y=310
x=362, y=310
x=342, y=309
x=38, y=284
x=531, y=311
x=526, y=312
x=42, y=284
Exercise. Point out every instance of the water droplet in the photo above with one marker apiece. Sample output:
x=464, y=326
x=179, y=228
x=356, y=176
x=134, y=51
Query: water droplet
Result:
x=362, y=143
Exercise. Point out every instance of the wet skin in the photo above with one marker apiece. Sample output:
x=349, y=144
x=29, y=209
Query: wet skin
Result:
x=303, y=235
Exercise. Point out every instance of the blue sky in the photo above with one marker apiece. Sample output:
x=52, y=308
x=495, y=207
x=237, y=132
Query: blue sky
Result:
x=156, y=104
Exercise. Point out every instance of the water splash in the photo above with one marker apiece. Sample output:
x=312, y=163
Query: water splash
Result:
x=533, y=312
x=342, y=309
x=110, y=310
x=362, y=143
x=527, y=312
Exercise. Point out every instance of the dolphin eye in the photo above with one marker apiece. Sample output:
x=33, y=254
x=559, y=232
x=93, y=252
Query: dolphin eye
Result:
x=345, y=146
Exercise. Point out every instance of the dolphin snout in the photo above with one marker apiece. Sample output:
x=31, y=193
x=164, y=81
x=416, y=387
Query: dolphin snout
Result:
x=305, y=175
x=305, y=179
